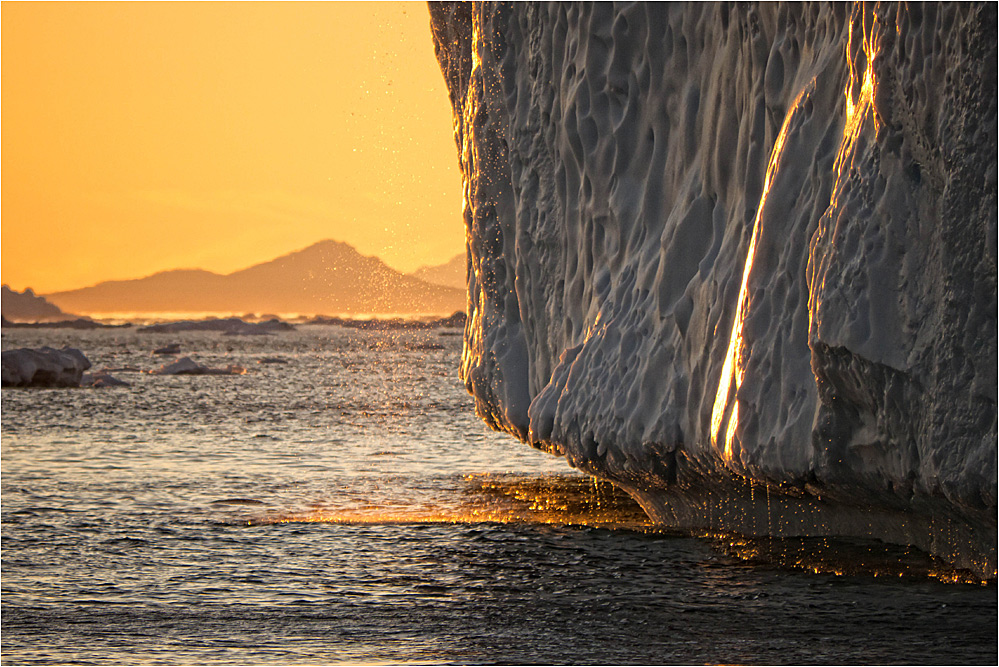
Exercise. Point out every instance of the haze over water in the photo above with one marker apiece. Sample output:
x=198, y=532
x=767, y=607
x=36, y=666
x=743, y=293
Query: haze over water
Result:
x=348, y=506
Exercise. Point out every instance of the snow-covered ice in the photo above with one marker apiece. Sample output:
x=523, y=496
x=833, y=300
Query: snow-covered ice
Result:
x=739, y=259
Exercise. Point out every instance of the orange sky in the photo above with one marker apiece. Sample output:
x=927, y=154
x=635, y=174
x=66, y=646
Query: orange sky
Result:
x=139, y=137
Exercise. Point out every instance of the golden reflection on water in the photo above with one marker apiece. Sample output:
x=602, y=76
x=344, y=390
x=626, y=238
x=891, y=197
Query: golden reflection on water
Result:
x=562, y=500
x=573, y=500
x=841, y=557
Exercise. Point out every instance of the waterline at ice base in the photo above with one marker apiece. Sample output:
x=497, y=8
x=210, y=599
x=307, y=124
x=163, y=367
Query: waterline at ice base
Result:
x=740, y=260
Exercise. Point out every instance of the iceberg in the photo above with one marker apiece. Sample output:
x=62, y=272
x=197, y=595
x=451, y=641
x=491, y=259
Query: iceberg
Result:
x=739, y=260
x=44, y=367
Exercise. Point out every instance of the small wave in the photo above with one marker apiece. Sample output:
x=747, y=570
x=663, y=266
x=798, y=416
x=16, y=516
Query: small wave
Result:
x=43, y=510
x=127, y=541
x=237, y=501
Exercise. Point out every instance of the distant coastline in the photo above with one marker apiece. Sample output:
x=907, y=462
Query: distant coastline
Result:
x=27, y=306
x=328, y=278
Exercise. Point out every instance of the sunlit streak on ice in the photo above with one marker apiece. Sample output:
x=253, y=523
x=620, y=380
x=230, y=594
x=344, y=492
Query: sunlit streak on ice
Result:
x=733, y=370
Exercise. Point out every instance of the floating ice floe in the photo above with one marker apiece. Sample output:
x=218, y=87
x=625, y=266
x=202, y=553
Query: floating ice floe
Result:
x=188, y=366
x=232, y=326
x=43, y=367
x=102, y=378
x=424, y=346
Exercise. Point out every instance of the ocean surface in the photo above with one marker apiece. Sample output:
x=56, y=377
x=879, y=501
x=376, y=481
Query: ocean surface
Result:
x=341, y=503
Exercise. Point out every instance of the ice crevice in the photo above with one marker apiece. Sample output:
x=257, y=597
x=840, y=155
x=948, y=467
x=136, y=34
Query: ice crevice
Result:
x=740, y=260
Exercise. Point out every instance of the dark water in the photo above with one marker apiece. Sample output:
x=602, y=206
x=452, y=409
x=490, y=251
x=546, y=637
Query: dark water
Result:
x=347, y=506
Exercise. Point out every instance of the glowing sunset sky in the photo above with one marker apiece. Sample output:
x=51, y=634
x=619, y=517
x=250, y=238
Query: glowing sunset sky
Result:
x=141, y=137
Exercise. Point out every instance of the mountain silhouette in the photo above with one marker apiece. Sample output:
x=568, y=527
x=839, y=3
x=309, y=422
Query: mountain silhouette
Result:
x=452, y=273
x=27, y=307
x=329, y=277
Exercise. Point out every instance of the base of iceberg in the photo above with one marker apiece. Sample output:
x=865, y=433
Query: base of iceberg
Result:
x=745, y=507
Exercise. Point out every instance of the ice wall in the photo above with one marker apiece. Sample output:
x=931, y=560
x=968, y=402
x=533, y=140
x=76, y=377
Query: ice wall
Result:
x=740, y=260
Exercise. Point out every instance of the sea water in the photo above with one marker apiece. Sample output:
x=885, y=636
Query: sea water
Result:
x=340, y=502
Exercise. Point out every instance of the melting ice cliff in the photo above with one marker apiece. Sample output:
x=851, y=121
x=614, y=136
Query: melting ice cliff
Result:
x=740, y=260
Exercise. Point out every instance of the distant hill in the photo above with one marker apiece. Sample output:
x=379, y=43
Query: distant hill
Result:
x=26, y=306
x=450, y=274
x=326, y=278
